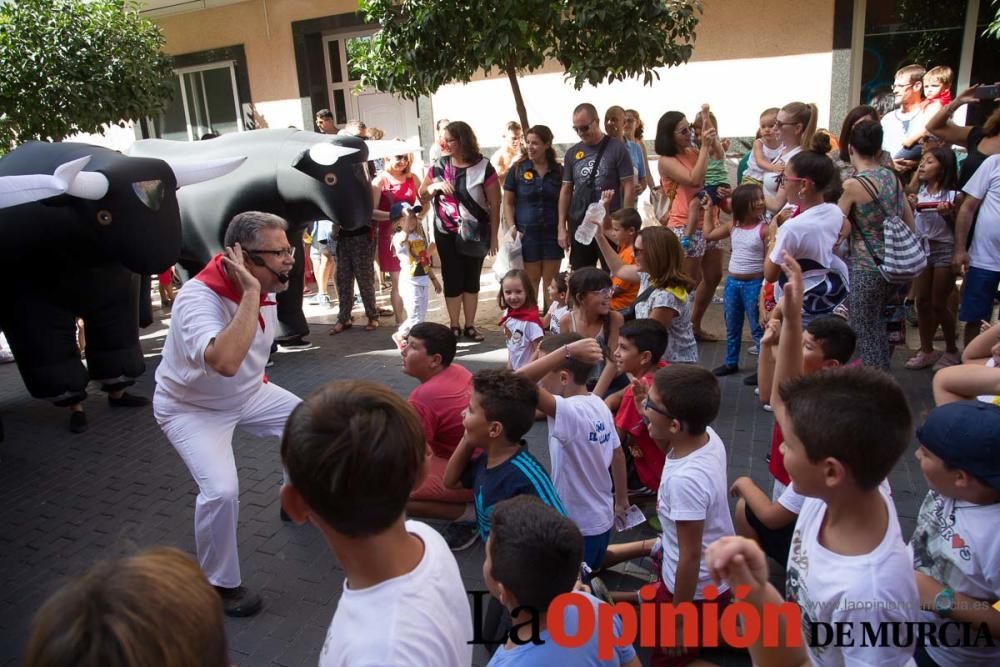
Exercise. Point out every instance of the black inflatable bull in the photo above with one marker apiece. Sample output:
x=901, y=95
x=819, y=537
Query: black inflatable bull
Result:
x=301, y=176
x=78, y=225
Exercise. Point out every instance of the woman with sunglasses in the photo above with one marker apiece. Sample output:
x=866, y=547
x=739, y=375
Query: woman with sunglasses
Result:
x=394, y=185
x=869, y=199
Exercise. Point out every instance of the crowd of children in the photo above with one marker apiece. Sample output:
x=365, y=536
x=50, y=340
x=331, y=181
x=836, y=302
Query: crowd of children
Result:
x=612, y=366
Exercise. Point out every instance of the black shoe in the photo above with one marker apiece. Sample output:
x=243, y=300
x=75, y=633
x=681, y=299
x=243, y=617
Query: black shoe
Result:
x=127, y=400
x=239, y=601
x=284, y=515
x=725, y=369
x=78, y=422
x=460, y=536
x=750, y=380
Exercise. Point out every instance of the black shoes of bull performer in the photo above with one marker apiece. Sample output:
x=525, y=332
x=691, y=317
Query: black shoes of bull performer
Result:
x=78, y=418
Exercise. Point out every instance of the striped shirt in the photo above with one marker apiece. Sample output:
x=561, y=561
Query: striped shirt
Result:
x=521, y=474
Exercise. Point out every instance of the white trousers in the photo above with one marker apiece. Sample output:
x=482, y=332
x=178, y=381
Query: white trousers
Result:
x=204, y=439
x=415, y=298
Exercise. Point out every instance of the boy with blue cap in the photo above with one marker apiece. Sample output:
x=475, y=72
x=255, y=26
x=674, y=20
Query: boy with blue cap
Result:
x=956, y=544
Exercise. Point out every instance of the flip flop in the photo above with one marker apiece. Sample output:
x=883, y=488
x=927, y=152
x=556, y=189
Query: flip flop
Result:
x=456, y=332
x=372, y=325
x=340, y=327
x=473, y=333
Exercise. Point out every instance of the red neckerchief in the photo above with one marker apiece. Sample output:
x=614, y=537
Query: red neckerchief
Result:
x=524, y=313
x=214, y=277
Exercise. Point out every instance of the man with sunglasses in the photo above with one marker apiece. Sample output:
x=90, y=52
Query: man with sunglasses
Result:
x=599, y=162
x=211, y=380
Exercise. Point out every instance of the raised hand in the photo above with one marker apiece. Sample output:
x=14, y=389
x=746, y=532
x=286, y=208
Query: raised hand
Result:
x=237, y=270
x=587, y=350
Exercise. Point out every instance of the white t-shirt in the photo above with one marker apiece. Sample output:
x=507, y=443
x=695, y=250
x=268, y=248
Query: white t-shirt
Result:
x=520, y=336
x=812, y=235
x=409, y=248
x=555, y=314
x=419, y=618
x=183, y=376
x=931, y=225
x=792, y=501
x=771, y=178
x=958, y=544
x=897, y=126
x=868, y=589
x=693, y=488
x=985, y=186
x=582, y=439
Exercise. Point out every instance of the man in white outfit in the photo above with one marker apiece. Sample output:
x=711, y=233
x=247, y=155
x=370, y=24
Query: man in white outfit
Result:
x=212, y=379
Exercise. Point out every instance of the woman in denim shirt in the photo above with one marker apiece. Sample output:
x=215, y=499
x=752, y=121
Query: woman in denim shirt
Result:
x=531, y=203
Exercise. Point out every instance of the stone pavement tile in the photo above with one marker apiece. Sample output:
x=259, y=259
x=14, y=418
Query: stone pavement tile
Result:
x=67, y=500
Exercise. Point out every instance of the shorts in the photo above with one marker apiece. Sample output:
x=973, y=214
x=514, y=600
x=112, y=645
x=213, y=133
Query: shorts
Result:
x=940, y=253
x=713, y=192
x=594, y=548
x=978, y=292
x=698, y=245
x=433, y=488
x=775, y=543
x=659, y=658
x=540, y=243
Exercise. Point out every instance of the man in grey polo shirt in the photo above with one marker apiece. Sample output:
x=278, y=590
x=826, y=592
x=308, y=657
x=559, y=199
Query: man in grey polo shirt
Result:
x=613, y=172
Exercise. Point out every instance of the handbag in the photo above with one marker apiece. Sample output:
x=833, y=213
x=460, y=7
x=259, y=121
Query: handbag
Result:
x=583, y=195
x=628, y=312
x=661, y=201
x=904, y=258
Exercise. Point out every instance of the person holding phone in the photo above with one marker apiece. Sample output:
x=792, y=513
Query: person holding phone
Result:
x=981, y=141
x=212, y=379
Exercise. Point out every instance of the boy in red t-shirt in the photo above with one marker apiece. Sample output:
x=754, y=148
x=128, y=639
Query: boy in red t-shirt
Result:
x=641, y=344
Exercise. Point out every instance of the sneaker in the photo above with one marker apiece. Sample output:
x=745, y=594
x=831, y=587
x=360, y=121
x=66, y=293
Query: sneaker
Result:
x=754, y=350
x=947, y=359
x=319, y=300
x=756, y=391
x=78, y=422
x=239, y=601
x=751, y=381
x=600, y=590
x=641, y=490
x=767, y=407
x=460, y=536
x=298, y=344
x=725, y=369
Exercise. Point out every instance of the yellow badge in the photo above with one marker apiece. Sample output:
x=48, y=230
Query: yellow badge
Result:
x=529, y=175
x=579, y=155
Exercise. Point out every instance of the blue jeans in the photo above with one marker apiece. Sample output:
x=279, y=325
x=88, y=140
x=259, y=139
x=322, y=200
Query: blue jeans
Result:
x=739, y=301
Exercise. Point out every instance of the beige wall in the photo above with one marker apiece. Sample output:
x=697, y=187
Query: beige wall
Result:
x=749, y=54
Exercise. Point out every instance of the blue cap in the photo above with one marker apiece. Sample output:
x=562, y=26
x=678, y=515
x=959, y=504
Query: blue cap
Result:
x=966, y=435
x=400, y=208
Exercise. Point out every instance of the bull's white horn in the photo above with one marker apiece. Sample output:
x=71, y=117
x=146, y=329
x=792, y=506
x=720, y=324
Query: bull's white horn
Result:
x=384, y=148
x=89, y=185
x=22, y=189
x=326, y=154
x=189, y=172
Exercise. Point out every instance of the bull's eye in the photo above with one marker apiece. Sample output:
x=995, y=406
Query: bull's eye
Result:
x=149, y=193
x=330, y=178
x=104, y=216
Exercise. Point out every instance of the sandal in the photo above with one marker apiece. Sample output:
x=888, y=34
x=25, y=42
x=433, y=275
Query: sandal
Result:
x=372, y=325
x=921, y=360
x=340, y=327
x=473, y=333
x=705, y=337
x=456, y=331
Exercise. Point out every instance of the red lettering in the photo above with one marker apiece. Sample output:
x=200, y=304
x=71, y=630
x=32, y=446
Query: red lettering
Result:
x=606, y=640
x=585, y=620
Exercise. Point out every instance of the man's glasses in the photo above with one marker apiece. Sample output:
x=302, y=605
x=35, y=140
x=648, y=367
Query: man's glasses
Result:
x=289, y=252
x=580, y=129
x=901, y=86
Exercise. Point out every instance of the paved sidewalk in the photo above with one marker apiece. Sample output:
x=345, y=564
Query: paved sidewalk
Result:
x=66, y=500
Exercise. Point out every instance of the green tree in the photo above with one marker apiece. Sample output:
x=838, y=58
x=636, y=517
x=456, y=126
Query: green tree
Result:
x=993, y=29
x=70, y=66
x=424, y=44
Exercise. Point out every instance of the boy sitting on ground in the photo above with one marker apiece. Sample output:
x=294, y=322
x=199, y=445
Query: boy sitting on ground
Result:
x=501, y=411
x=532, y=556
x=354, y=451
x=583, y=442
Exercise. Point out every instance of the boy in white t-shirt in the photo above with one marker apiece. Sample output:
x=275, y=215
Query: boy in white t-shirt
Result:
x=848, y=563
x=692, y=502
x=956, y=544
x=354, y=451
x=583, y=441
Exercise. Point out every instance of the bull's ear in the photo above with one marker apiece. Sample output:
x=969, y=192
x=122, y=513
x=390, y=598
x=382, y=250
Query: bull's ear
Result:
x=303, y=162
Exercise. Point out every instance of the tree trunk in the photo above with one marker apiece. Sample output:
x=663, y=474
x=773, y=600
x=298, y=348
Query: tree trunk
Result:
x=522, y=113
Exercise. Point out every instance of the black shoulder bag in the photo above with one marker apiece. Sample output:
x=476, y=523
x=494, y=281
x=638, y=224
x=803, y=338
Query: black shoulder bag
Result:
x=584, y=195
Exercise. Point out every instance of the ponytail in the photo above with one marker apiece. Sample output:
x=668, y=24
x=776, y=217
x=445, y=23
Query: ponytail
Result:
x=806, y=115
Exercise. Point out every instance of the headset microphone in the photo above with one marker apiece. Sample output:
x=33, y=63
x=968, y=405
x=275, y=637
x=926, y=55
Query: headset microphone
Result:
x=282, y=277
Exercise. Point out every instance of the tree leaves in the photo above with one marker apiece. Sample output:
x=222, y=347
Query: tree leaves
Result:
x=424, y=44
x=69, y=66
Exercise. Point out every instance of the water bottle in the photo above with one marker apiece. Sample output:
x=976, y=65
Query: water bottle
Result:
x=592, y=220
